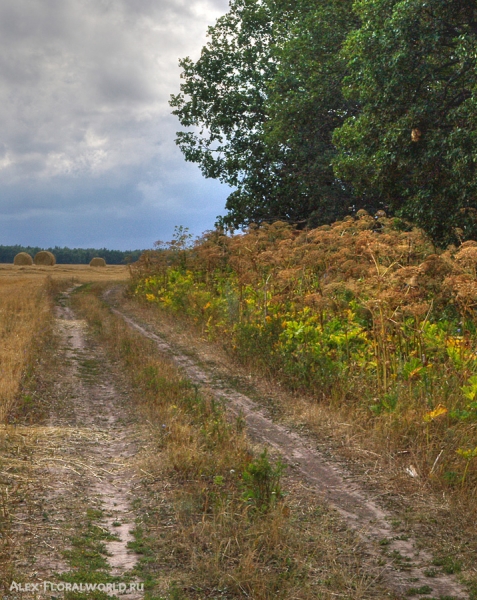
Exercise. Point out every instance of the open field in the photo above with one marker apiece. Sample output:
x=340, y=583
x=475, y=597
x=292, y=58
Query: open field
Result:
x=80, y=273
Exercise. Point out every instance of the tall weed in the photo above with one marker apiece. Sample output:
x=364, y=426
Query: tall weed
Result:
x=363, y=313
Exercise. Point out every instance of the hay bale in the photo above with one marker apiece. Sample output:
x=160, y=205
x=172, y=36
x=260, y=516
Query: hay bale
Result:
x=44, y=258
x=97, y=262
x=23, y=259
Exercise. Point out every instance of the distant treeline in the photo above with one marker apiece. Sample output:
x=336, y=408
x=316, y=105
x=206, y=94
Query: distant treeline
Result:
x=73, y=256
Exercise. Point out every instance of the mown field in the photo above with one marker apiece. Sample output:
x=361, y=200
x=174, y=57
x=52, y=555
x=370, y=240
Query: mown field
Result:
x=365, y=316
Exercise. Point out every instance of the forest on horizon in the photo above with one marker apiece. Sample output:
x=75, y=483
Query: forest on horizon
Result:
x=73, y=256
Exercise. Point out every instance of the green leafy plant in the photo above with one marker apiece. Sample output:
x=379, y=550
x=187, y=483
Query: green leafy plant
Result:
x=468, y=455
x=261, y=482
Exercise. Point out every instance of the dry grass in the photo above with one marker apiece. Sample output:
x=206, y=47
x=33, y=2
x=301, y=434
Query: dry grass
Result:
x=24, y=313
x=73, y=273
x=27, y=357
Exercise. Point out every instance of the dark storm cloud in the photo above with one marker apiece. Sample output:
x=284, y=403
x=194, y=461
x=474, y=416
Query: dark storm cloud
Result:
x=85, y=126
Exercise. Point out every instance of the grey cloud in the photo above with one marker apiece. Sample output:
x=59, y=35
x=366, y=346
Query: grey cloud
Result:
x=85, y=126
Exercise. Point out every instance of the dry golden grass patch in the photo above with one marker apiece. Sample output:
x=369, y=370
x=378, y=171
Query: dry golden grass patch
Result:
x=24, y=313
x=22, y=470
x=76, y=273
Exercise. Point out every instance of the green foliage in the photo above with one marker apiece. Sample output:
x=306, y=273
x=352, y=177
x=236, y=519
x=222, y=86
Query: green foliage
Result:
x=470, y=391
x=449, y=564
x=412, y=71
x=223, y=95
x=264, y=98
x=87, y=558
x=305, y=105
x=308, y=109
x=261, y=482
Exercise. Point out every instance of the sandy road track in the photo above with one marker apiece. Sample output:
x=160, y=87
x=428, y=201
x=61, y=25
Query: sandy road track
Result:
x=404, y=564
x=99, y=406
x=95, y=407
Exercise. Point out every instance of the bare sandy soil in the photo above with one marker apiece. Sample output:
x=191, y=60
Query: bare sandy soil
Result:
x=99, y=406
x=406, y=565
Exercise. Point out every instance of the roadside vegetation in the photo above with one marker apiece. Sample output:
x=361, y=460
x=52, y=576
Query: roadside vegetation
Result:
x=365, y=316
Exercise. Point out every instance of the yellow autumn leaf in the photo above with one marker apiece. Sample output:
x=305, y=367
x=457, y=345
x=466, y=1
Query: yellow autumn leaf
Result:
x=467, y=454
x=455, y=342
x=437, y=412
x=415, y=373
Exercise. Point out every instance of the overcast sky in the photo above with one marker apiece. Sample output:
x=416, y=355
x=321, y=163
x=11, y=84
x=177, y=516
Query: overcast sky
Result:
x=87, y=152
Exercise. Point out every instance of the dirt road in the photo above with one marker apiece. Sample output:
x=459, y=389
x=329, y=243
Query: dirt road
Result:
x=406, y=567
x=85, y=468
x=79, y=522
